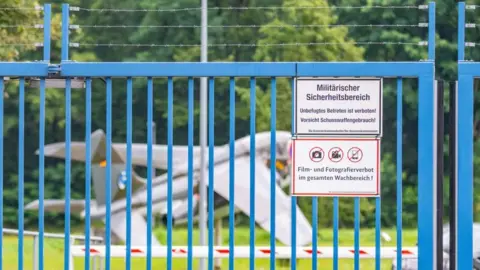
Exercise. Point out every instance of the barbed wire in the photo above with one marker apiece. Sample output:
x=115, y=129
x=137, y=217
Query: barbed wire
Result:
x=420, y=43
x=422, y=24
x=471, y=44
x=471, y=25
x=22, y=8
x=36, y=44
x=76, y=8
x=36, y=26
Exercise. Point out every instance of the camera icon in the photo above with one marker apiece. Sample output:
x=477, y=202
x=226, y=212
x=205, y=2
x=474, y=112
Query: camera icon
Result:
x=316, y=154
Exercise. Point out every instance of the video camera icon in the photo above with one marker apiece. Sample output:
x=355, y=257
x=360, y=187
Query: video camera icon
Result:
x=316, y=154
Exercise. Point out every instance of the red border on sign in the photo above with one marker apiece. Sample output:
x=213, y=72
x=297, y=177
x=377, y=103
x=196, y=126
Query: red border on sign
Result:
x=377, y=193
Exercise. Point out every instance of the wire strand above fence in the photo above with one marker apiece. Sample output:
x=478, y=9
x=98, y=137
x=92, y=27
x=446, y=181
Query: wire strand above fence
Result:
x=22, y=8
x=420, y=43
x=36, y=44
x=422, y=24
x=76, y=8
x=36, y=26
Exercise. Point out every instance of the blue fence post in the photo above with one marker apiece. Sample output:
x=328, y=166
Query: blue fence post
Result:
x=65, y=38
x=108, y=175
x=41, y=176
x=149, y=171
x=211, y=160
x=21, y=136
x=190, y=172
x=88, y=159
x=465, y=148
x=252, y=170
x=68, y=127
x=273, y=159
x=2, y=89
x=426, y=170
x=293, y=259
x=465, y=171
x=128, y=261
x=170, y=175
x=65, y=30
x=231, y=260
x=431, y=31
x=461, y=31
x=399, y=169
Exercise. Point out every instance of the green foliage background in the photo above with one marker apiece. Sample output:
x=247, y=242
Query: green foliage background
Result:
x=345, y=50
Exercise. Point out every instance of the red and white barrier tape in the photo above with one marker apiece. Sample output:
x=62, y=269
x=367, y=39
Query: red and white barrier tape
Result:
x=244, y=252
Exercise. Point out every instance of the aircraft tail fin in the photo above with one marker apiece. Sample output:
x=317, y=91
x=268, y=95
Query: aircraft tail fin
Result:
x=118, y=176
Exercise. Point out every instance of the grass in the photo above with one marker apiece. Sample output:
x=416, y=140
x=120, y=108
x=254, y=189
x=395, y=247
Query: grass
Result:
x=54, y=257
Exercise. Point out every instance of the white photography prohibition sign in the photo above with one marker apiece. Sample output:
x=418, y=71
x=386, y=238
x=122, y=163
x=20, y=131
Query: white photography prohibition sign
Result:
x=336, y=167
x=338, y=106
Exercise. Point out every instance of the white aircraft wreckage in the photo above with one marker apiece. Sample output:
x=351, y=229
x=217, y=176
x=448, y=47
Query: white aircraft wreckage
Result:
x=180, y=185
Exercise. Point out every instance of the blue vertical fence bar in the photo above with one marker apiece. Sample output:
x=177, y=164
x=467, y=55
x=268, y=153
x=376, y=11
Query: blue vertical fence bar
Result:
x=356, y=233
x=465, y=128
x=465, y=173
x=41, y=163
x=65, y=44
x=170, y=168
x=68, y=130
x=378, y=213
x=88, y=173
x=399, y=168
x=190, y=172
x=314, y=232
x=431, y=31
x=273, y=159
x=41, y=174
x=2, y=89
x=211, y=145
x=252, y=170
x=461, y=31
x=108, y=191
x=465, y=97
x=128, y=255
x=47, y=14
x=293, y=206
x=426, y=169
x=149, y=171
x=231, y=225
x=335, y=232
x=21, y=129
x=65, y=29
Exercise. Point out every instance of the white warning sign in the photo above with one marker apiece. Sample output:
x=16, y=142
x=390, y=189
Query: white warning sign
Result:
x=336, y=167
x=338, y=106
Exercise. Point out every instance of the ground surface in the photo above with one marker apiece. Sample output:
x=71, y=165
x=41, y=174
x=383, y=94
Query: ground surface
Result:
x=54, y=251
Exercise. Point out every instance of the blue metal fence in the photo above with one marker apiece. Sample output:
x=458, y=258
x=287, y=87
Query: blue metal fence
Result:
x=423, y=71
x=467, y=72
